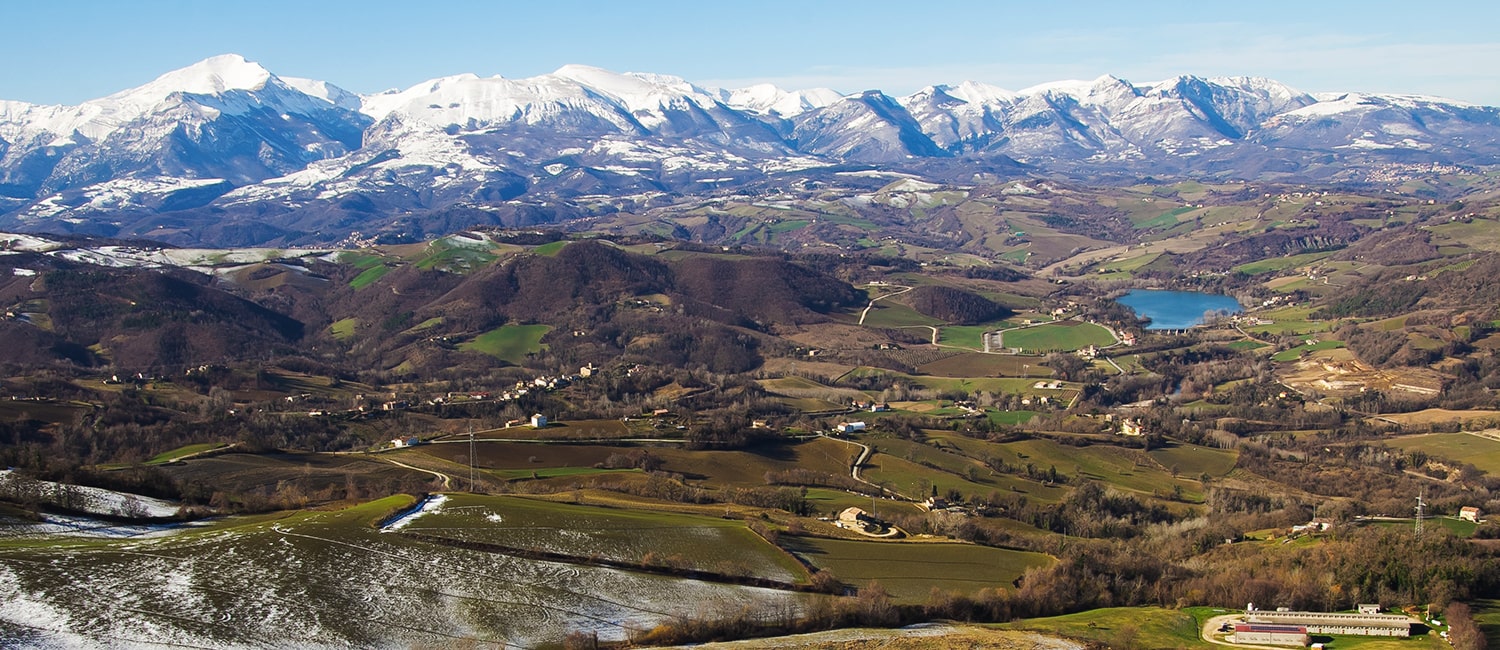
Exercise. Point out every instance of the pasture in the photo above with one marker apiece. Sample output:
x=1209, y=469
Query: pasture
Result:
x=187, y=450
x=1479, y=451
x=343, y=329
x=1306, y=349
x=1125, y=469
x=969, y=336
x=909, y=571
x=914, y=469
x=639, y=536
x=510, y=343
x=1139, y=627
x=888, y=313
x=1064, y=336
x=713, y=469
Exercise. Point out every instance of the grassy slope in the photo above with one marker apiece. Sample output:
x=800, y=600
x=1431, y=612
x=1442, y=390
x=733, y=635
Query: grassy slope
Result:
x=510, y=343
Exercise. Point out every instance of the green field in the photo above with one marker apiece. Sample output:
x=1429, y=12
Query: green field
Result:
x=657, y=538
x=343, y=329
x=910, y=571
x=985, y=365
x=509, y=343
x=1010, y=418
x=969, y=336
x=1193, y=461
x=1127, y=627
x=1164, y=220
x=1478, y=451
x=447, y=257
x=1289, y=320
x=914, y=469
x=548, y=250
x=1125, y=469
x=369, y=276
x=1279, y=263
x=188, y=450
x=1296, y=353
x=551, y=472
x=1064, y=336
x=1487, y=614
x=888, y=313
x=427, y=324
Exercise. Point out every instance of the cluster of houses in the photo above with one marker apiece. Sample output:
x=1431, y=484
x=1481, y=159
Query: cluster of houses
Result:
x=1126, y=426
x=546, y=383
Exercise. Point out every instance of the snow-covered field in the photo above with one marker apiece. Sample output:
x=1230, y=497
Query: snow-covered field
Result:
x=329, y=580
x=88, y=499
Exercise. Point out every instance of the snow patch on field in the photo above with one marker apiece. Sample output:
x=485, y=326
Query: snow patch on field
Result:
x=430, y=505
x=76, y=527
x=88, y=499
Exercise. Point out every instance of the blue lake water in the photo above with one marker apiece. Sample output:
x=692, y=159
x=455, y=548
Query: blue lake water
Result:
x=1172, y=310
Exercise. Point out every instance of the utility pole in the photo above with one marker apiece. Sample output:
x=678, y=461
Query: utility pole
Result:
x=471, y=459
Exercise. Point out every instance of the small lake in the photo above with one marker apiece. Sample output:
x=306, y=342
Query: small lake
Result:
x=1174, y=310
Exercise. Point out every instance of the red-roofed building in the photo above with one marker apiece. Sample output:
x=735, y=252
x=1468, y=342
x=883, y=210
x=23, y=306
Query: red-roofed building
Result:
x=1287, y=635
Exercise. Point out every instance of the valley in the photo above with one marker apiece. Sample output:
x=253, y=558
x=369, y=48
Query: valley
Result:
x=839, y=406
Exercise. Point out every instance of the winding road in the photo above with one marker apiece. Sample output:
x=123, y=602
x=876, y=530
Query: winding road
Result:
x=447, y=480
x=870, y=306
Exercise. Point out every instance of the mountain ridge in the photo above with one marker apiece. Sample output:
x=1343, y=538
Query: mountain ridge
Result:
x=226, y=141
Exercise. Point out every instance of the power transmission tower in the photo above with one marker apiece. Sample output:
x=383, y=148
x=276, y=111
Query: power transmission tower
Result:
x=1421, y=503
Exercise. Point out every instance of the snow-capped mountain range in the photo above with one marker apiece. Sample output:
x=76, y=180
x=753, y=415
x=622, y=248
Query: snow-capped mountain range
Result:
x=226, y=152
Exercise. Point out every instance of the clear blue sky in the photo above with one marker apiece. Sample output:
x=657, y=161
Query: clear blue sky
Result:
x=59, y=51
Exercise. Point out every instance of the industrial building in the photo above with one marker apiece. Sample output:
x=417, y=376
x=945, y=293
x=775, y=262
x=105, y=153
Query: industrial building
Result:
x=1343, y=624
x=1289, y=635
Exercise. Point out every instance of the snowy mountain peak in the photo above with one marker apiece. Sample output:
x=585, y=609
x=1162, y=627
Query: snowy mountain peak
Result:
x=324, y=91
x=636, y=91
x=763, y=99
x=981, y=93
x=210, y=76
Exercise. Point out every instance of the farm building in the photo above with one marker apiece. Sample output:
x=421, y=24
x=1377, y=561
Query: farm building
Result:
x=1288, y=635
x=1469, y=513
x=538, y=421
x=857, y=519
x=1369, y=609
x=850, y=427
x=1343, y=624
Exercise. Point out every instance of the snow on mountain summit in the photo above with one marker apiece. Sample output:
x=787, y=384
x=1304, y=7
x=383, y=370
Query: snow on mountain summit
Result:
x=226, y=134
x=210, y=76
x=766, y=99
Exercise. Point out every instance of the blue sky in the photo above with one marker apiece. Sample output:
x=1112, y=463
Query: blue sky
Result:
x=66, y=52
